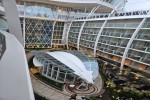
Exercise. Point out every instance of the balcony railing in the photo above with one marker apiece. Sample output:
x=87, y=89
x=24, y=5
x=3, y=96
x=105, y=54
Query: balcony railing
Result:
x=123, y=25
x=118, y=53
x=139, y=47
x=145, y=60
x=126, y=35
x=131, y=13
x=143, y=36
x=135, y=57
x=122, y=44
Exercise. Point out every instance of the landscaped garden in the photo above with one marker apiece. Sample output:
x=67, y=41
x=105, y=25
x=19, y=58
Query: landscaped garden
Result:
x=126, y=92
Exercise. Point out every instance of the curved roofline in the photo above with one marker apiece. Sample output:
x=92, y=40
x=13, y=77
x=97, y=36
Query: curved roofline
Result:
x=77, y=5
x=74, y=63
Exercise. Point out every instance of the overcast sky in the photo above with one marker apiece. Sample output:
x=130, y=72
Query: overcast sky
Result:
x=137, y=5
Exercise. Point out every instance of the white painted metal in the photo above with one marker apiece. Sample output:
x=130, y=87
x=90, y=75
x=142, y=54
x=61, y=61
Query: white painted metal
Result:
x=53, y=32
x=37, y=63
x=74, y=63
x=15, y=82
x=92, y=11
x=131, y=41
x=68, y=34
x=47, y=71
x=52, y=71
x=101, y=30
x=64, y=34
x=78, y=41
x=24, y=26
x=57, y=74
x=13, y=19
x=65, y=76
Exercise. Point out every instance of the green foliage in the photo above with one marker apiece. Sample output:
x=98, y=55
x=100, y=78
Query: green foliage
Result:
x=147, y=93
x=127, y=92
x=111, y=84
x=95, y=98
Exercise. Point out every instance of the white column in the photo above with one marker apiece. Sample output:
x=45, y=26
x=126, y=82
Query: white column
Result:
x=101, y=30
x=52, y=71
x=43, y=68
x=80, y=32
x=47, y=71
x=74, y=78
x=65, y=76
x=53, y=31
x=64, y=34
x=57, y=74
x=68, y=34
x=78, y=41
x=12, y=16
x=24, y=26
x=130, y=42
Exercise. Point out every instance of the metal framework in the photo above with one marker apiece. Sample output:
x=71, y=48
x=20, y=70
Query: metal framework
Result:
x=38, y=33
x=53, y=68
x=92, y=11
x=131, y=41
x=101, y=30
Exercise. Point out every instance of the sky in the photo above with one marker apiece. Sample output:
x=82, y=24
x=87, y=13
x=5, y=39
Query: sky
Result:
x=133, y=5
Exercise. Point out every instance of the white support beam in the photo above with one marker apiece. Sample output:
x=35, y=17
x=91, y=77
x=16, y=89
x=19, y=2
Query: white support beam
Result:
x=52, y=70
x=57, y=74
x=101, y=30
x=65, y=76
x=47, y=71
x=15, y=81
x=64, y=34
x=12, y=16
x=78, y=41
x=131, y=41
x=53, y=31
x=68, y=34
x=74, y=78
x=80, y=32
x=24, y=26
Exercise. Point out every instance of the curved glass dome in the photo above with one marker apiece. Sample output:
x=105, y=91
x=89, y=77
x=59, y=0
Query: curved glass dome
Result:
x=73, y=64
x=89, y=63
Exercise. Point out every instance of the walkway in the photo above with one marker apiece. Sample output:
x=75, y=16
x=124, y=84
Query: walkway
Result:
x=47, y=91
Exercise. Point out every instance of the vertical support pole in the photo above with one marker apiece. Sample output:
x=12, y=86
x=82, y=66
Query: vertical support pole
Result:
x=52, y=71
x=24, y=26
x=68, y=34
x=101, y=30
x=65, y=76
x=53, y=31
x=47, y=70
x=12, y=16
x=57, y=74
x=74, y=79
x=80, y=32
x=130, y=42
